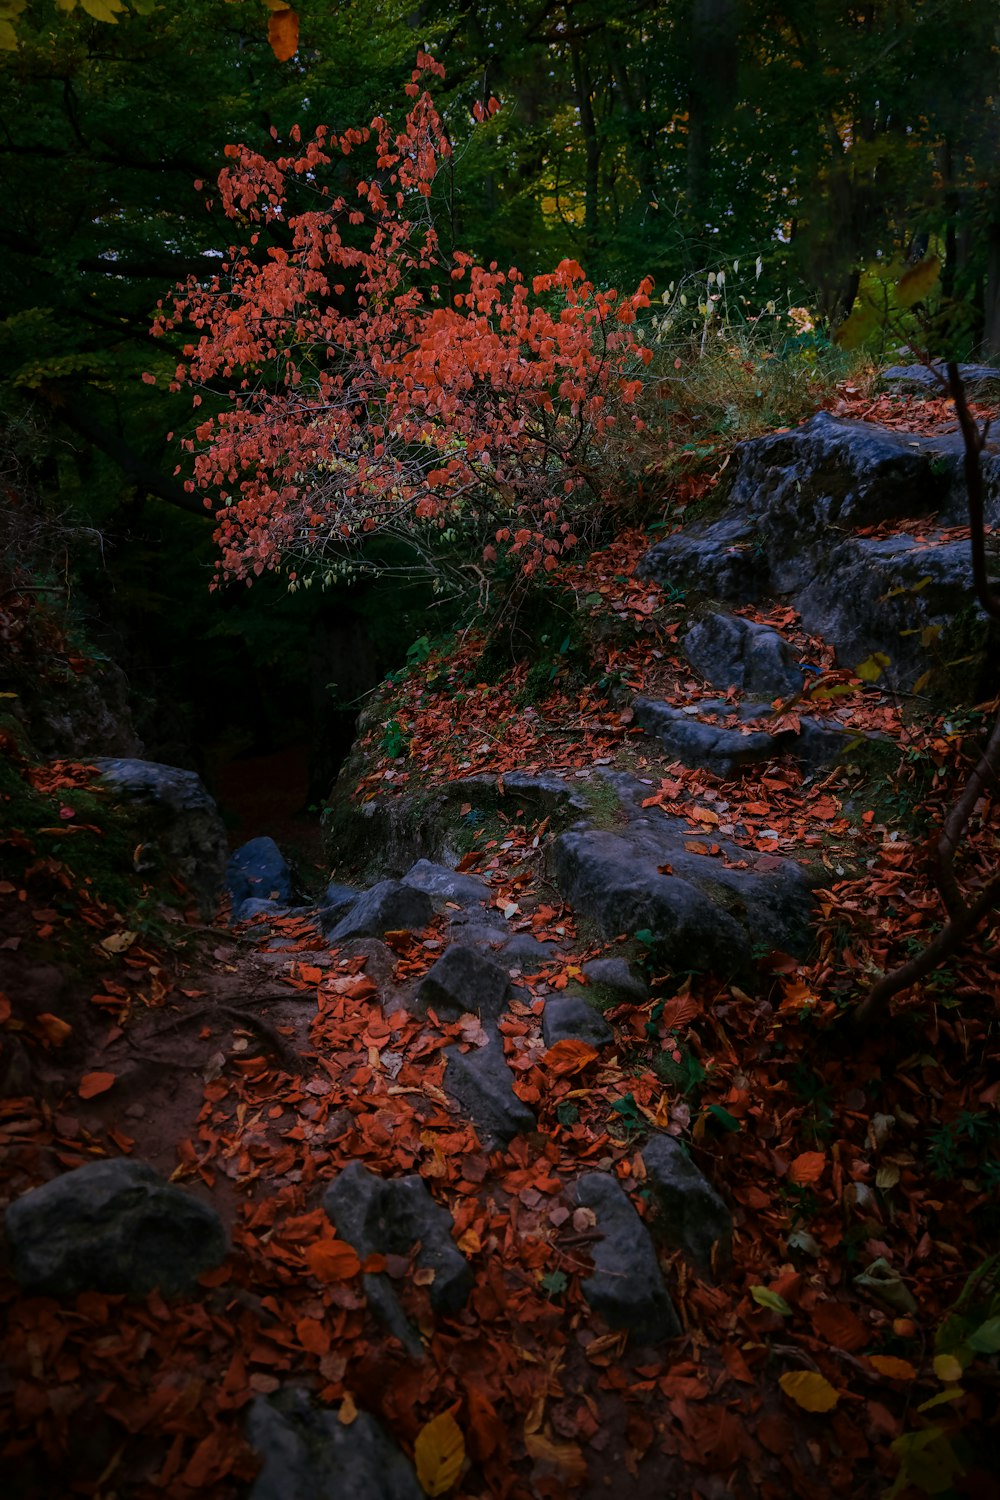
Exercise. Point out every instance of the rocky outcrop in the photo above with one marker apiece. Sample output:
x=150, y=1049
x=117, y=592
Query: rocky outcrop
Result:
x=464, y=979
x=112, y=1226
x=482, y=1083
x=690, y=1213
x=796, y=503
x=729, y=651
x=258, y=872
x=697, y=908
x=183, y=831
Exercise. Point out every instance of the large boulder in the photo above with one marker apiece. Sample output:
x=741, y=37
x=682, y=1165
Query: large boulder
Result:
x=447, y=885
x=796, y=497
x=389, y=906
x=699, y=909
x=729, y=651
x=185, y=832
x=930, y=380
x=112, y=1226
x=309, y=1453
x=627, y=1286
x=258, y=871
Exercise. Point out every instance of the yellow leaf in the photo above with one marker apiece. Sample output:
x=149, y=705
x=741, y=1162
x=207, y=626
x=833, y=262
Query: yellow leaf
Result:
x=8, y=43
x=347, y=1412
x=117, y=942
x=439, y=1453
x=871, y=669
x=103, y=10
x=811, y=1391
x=566, y=1457
x=896, y=1369
x=773, y=1301
x=947, y=1368
x=914, y=285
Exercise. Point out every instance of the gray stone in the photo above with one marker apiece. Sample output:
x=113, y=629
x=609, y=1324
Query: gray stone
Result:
x=526, y=951
x=388, y=907
x=259, y=871
x=921, y=379
x=708, y=747
x=476, y=934
x=571, y=1017
x=615, y=977
x=627, y=1286
x=445, y=884
x=112, y=1226
x=309, y=1454
x=255, y=906
x=484, y=1085
x=336, y=901
x=180, y=820
x=729, y=651
x=390, y=1216
x=690, y=1213
x=703, y=913
x=693, y=741
x=463, y=979
x=792, y=493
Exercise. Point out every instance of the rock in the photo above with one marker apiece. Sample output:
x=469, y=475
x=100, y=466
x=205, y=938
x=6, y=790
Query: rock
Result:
x=690, y=1213
x=693, y=741
x=627, y=1286
x=484, y=1085
x=977, y=379
x=446, y=884
x=463, y=979
x=708, y=747
x=570, y=1017
x=616, y=979
x=180, y=820
x=259, y=871
x=526, y=952
x=112, y=1226
x=729, y=651
x=476, y=935
x=336, y=901
x=792, y=493
x=703, y=911
x=389, y=906
x=308, y=1453
x=389, y=1216
x=254, y=906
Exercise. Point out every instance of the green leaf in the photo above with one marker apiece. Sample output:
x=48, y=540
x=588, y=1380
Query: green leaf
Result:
x=986, y=1339
x=645, y=937
x=554, y=1282
x=766, y=1298
x=725, y=1119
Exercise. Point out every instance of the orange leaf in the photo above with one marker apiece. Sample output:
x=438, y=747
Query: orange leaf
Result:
x=807, y=1168
x=95, y=1083
x=569, y=1056
x=835, y=1322
x=55, y=1028
x=283, y=33
x=895, y=1369
x=332, y=1260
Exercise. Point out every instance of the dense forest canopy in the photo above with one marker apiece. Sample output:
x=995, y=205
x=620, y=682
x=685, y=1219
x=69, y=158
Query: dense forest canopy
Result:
x=822, y=144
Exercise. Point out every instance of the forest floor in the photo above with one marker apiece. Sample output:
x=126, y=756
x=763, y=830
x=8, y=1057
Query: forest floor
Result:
x=252, y=1068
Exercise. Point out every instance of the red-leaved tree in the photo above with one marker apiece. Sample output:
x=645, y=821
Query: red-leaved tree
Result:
x=370, y=384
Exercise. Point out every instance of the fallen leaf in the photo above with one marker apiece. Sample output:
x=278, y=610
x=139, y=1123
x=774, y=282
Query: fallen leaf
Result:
x=895, y=1369
x=117, y=942
x=810, y=1390
x=95, y=1083
x=807, y=1168
x=569, y=1056
x=332, y=1260
x=439, y=1453
x=566, y=1457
